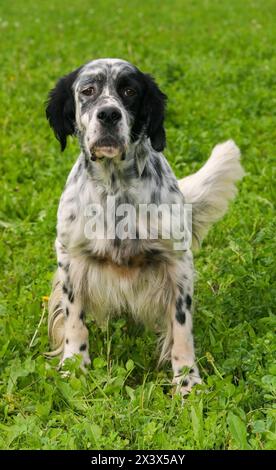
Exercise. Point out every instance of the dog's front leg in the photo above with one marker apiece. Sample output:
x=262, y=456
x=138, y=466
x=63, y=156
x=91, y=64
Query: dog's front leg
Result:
x=182, y=353
x=75, y=331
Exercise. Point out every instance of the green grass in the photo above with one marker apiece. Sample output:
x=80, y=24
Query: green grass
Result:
x=216, y=60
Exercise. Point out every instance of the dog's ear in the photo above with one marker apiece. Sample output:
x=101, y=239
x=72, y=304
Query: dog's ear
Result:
x=60, y=109
x=154, y=110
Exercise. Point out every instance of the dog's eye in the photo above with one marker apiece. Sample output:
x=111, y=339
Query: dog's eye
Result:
x=129, y=92
x=89, y=91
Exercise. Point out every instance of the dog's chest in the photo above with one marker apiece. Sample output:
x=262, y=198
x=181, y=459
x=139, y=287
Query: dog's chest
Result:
x=120, y=265
x=111, y=225
x=139, y=284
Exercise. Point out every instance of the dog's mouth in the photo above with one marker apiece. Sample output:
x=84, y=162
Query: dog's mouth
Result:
x=107, y=147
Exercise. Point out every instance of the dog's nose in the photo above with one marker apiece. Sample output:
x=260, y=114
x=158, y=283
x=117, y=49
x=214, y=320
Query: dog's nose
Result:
x=109, y=115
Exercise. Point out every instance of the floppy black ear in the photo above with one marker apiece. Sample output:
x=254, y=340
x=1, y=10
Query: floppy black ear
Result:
x=155, y=103
x=60, y=110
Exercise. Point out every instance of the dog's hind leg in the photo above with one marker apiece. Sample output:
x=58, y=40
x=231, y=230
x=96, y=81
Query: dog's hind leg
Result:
x=56, y=319
x=67, y=331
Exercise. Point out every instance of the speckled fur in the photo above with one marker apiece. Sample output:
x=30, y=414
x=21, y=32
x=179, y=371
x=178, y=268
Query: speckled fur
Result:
x=146, y=279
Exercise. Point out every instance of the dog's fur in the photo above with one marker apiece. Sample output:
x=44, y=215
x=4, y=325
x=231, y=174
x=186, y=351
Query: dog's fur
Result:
x=117, y=112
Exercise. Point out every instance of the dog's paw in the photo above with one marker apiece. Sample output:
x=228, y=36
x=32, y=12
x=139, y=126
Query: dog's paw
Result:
x=185, y=382
x=85, y=362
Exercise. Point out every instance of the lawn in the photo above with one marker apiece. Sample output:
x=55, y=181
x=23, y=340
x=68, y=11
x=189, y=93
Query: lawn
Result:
x=216, y=60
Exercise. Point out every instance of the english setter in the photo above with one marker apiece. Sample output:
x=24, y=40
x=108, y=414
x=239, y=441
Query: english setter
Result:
x=117, y=113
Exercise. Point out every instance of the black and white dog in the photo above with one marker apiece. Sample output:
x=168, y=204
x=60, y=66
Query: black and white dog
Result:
x=117, y=113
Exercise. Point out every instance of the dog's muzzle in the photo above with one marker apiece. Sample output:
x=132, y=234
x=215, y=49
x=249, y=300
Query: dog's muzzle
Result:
x=109, y=145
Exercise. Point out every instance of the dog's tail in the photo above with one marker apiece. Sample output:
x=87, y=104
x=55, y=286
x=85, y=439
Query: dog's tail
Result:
x=55, y=319
x=210, y=189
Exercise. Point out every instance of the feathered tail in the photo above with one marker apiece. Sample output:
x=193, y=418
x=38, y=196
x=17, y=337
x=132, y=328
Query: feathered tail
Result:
x=210, y=189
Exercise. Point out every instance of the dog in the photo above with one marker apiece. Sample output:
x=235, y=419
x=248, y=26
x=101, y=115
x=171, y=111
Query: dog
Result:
x=117, y=113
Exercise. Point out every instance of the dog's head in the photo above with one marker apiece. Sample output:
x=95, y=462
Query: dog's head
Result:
x=109, y=104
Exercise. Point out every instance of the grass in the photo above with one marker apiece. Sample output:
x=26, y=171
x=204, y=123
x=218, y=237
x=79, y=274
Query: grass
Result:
x=216, y=61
